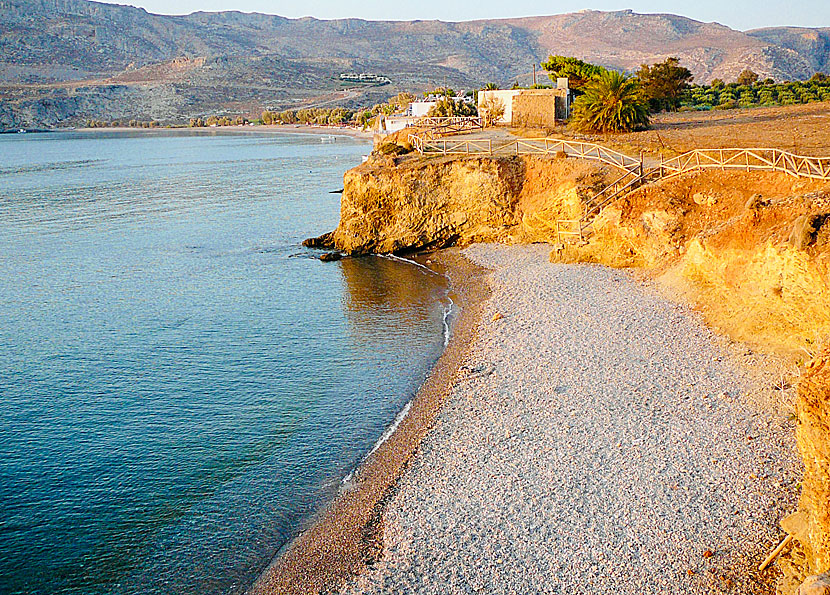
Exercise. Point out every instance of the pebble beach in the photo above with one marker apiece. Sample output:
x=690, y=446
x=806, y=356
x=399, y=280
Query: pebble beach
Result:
x=597, y=438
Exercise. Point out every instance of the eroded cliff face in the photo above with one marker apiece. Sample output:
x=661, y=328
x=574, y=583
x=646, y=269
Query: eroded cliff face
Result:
x=751, y=249
x=418, y=203
x=813, y=436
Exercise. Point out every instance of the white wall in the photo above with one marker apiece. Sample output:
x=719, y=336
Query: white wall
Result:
x=395, y=123
x=419, y=109
x=505, y=96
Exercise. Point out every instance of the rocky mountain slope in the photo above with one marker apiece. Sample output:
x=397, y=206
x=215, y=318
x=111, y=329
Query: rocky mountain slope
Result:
x=237, y=62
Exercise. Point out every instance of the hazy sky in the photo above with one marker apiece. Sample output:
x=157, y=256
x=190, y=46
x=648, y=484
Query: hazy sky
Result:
x=738, y=14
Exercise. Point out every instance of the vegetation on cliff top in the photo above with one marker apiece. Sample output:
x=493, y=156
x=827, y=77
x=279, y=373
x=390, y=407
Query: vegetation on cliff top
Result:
x=740, y=94
x=612, y=102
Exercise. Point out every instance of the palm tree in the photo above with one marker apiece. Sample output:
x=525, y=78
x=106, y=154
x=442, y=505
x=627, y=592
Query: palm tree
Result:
x=612, y=102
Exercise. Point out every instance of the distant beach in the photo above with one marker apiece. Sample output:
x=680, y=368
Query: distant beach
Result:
x=258, y=129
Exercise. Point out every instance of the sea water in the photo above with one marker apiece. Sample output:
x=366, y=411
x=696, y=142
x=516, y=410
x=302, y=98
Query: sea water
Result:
x=182, y=385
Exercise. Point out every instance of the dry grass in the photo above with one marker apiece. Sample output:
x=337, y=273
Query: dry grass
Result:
x=802, y=129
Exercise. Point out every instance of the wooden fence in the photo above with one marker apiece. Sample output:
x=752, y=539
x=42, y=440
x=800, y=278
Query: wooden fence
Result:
x=798, y=166
x=440, y=127
x=450, y=146
x=527, y=146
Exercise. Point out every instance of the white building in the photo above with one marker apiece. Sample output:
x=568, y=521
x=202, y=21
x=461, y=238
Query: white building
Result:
x=419, y=109
x=529, y=106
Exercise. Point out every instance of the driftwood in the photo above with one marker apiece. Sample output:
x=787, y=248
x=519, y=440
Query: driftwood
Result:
x=776, y=552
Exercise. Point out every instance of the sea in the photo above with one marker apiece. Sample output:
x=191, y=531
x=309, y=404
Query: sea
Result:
x=182, y=384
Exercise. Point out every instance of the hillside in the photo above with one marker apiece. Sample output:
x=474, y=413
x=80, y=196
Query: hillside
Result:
x=65, y=60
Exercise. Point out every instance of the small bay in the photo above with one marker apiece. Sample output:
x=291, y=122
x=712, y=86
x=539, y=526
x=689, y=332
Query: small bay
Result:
x=182, y=385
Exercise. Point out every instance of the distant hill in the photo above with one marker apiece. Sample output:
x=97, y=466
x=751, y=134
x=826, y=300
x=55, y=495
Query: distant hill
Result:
x=813, y=45
x=62, y=61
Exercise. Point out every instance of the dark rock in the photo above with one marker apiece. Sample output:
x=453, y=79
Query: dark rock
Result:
x=806, y=228
x=331, y=256
x=324, y=241
x=755, y=202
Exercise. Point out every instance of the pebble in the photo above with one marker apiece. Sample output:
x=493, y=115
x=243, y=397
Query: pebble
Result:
x=579, y=465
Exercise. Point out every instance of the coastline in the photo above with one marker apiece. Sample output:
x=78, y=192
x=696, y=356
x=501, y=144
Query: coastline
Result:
x=260, y=129
x=346, y=537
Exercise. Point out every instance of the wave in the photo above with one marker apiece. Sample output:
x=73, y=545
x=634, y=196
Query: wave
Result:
x=446, y=320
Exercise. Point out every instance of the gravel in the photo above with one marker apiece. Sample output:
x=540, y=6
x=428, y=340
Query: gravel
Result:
x=599, y=439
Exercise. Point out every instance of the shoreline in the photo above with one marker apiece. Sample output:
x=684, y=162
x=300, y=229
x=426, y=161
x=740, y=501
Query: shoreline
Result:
x=259, y=129
x=612, y=443
x=346, y=536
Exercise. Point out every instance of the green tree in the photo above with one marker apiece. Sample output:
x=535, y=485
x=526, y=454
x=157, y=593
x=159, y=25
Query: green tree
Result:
x=747, y=77
x=575, y=70
x=612, y=102
x=718, y=84
x=447, y=107
x=664, y=83
x=402, y=100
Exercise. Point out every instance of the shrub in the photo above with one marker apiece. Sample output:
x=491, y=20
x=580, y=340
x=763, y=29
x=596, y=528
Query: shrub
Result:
x=730, y=104
x=393, y=149
x=612, y=102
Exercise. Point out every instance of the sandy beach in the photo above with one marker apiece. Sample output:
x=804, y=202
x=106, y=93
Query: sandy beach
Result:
x=597, y=439
x=259, y=129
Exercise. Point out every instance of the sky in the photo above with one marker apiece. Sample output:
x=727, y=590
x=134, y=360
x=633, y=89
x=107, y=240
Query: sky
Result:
x=738, y=14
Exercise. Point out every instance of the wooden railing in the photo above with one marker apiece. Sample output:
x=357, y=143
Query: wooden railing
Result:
x=432, y=122
x=440, y=127
x=528, y=146
x=798, y=166
x=450, y=146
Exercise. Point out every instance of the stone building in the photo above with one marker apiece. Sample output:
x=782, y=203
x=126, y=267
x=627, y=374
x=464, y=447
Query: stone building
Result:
x=529, y=107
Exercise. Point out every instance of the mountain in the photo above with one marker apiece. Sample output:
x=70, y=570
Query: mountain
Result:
x=811, y=44
x=62, y=61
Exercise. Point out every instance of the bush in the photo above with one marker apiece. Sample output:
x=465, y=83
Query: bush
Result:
x=612, y=102
x=393, y=149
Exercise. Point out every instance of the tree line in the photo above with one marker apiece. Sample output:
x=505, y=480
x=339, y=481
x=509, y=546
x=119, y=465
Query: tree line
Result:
x=338, y=116
x=610, y=101
x=748, y=91
x=211, y=121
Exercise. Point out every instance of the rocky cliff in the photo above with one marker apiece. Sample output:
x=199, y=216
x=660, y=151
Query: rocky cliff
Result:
x=415, y=203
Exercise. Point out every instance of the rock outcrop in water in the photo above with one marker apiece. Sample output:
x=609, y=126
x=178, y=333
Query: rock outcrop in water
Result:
x=420, y=204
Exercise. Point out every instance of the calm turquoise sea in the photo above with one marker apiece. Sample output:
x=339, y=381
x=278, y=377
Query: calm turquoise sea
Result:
x=181, y=383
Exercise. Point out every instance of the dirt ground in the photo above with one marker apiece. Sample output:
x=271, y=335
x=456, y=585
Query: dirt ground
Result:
x=802, y=129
